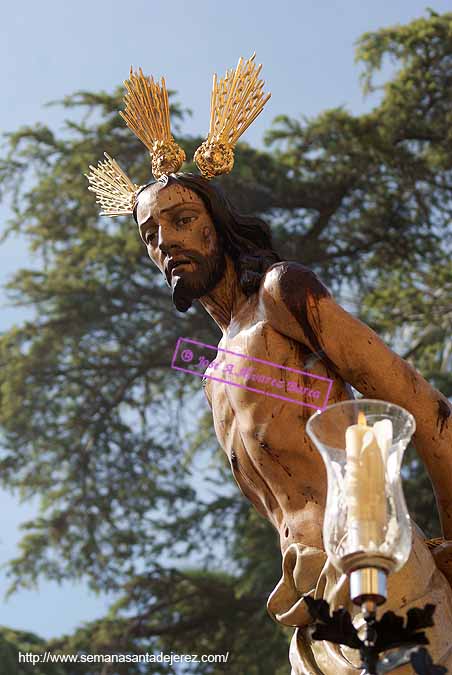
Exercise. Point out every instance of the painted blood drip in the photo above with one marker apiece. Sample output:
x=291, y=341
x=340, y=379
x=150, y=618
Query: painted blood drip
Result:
x=443, y=414
x=298, y=284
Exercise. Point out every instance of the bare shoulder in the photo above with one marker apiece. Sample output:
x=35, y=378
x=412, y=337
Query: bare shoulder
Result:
x=296, y=303
x=289, y=285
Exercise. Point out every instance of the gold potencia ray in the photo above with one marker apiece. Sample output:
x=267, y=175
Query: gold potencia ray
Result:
x=236, y=101
x=114, y=190
x=147, y=115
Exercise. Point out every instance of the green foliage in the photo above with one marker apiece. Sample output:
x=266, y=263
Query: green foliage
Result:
x=15, y=642
x=112, y=441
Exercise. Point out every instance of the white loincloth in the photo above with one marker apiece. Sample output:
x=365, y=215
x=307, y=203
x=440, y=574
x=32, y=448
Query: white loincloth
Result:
x=306, y=571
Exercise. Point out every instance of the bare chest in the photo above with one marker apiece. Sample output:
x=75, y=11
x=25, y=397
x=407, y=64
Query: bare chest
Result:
x=262, y=433
x=256, y=374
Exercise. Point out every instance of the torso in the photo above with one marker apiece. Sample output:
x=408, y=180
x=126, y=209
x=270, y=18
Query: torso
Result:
x=272, y=459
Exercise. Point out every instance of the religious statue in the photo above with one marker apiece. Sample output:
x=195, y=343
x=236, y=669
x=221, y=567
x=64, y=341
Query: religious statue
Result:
x=278, y=311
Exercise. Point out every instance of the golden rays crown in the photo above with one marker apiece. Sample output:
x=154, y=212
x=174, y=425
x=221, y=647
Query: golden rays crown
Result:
x=147, y=115
x=114, y=190
x=236, y=100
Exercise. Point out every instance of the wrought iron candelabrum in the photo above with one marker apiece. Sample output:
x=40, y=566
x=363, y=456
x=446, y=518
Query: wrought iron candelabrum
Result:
x=367, y=532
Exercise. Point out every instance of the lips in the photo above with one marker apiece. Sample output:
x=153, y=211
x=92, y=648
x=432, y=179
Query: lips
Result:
x=175, y=262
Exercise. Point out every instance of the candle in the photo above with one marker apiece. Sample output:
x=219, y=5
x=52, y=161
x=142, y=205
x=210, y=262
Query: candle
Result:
x=366, y=450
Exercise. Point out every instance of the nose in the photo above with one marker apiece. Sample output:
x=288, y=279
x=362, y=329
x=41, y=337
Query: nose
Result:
x=168, y=239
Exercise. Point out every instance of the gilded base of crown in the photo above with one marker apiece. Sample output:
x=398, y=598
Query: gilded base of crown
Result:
x=214, y=158
x=167, y=157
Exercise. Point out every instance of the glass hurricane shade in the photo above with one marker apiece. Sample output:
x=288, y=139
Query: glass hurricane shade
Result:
x=366, y=521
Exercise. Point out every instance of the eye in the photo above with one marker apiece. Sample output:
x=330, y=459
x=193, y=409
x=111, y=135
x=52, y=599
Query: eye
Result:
x=184, y=220
x=149, y=236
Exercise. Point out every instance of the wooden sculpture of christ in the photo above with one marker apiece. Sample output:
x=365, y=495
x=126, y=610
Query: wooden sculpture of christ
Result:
x=280, y=311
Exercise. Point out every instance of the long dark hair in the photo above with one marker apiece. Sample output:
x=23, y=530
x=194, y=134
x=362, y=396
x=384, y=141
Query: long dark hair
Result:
x=246, y=239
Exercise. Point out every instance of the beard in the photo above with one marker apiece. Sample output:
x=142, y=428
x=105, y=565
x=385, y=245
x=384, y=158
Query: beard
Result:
x=207, y=272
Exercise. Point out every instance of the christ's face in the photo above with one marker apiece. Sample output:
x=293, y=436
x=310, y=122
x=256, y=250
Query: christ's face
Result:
x=181, y=240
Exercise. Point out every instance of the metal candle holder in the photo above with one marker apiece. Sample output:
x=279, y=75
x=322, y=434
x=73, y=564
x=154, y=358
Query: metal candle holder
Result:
x=367, y=532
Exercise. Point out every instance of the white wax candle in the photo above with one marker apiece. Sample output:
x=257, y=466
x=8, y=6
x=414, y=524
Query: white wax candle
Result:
x=366, y=450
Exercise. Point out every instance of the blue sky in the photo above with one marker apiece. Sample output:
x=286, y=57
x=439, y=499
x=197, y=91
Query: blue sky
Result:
x=50, y=49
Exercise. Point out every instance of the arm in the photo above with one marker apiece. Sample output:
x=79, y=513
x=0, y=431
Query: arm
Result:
x=299, y=306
